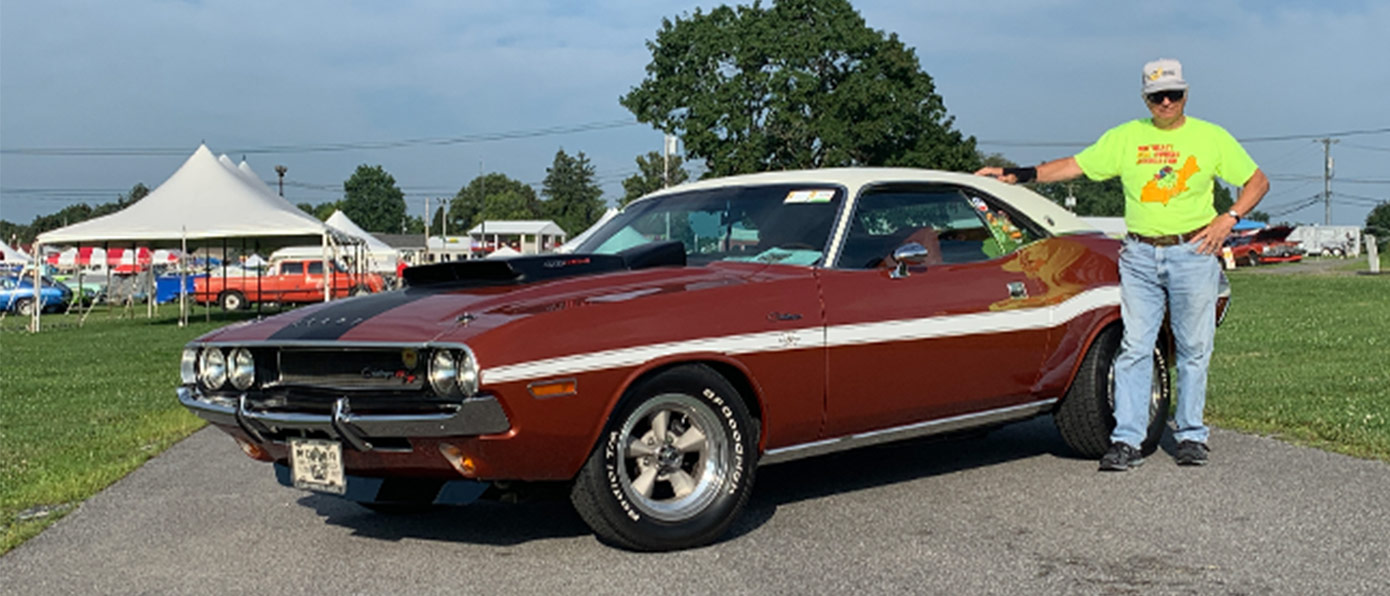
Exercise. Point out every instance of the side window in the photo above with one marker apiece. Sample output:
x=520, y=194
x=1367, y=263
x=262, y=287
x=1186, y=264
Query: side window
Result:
x=292, y=268
x=315, y=267
x=954, y=227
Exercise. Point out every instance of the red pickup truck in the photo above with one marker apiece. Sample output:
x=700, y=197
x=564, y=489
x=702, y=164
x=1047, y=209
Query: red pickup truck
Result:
x=287, y=281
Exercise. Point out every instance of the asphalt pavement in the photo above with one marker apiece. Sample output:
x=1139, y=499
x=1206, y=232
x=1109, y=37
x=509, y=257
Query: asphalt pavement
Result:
x=1009, y=513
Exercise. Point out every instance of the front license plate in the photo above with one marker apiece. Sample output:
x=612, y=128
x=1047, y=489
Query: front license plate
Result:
x=317, y=465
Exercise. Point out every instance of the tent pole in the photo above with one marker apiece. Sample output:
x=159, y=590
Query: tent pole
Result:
x=105, y=250
x=260, y=297
x=78, y=294
x=327, y=271
x=149, y=287
x=183, y=278
x=38, y=281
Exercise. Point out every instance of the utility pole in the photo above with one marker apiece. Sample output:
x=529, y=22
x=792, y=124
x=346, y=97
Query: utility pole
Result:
x=281, y=171
x=424, y=260
x=667, y=149
x=1327, y=179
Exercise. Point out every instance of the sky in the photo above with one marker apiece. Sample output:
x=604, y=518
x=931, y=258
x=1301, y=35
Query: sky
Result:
x=439, y=91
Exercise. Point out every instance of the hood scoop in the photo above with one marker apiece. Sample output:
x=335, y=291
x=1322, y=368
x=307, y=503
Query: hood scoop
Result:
x=530, y=269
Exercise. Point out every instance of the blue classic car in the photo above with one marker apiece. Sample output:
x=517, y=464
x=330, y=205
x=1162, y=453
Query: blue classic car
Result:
x=17, y=295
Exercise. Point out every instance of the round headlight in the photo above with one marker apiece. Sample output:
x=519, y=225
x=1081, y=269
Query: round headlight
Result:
x=444, y=371
x=188, y=366
x=468, y=375
x=243, y=368
x=212, y=368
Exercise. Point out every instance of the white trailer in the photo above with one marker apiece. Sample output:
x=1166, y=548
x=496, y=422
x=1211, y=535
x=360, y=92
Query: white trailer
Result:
x=1340, y=241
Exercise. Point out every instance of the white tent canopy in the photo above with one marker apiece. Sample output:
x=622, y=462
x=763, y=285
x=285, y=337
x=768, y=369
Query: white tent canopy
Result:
x=204, y=199
x=9, y=254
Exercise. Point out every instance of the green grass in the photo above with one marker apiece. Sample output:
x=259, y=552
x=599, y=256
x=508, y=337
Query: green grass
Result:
x=1303, y=357
x=82, y=407
x=1361, y=263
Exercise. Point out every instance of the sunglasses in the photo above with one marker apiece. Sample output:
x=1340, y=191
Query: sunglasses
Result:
x=1157, y=97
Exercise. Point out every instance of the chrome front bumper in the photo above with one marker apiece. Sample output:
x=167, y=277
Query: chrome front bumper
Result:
x=480, y=415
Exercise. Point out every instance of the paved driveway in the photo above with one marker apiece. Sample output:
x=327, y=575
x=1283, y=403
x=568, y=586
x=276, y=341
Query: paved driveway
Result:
x=1006, y=514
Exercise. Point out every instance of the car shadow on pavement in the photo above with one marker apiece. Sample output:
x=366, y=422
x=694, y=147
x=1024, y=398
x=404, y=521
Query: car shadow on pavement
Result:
x=893, y=463
x=550, y=515
x=485, y=522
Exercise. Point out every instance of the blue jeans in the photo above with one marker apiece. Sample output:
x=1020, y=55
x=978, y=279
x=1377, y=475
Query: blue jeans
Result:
x=1186, y=283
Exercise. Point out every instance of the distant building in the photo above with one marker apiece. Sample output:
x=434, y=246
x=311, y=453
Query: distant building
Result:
x=527, y=237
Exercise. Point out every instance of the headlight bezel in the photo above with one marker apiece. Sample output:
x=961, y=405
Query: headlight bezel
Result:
x=241, y=369
x=453, y=372
x=188, y=366
x=212, y=368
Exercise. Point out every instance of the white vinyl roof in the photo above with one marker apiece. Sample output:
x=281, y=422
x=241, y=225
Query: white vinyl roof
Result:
x=205, y=198
x=1047, y=213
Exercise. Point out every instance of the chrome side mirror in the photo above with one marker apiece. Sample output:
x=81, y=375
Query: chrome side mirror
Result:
x=908, y=254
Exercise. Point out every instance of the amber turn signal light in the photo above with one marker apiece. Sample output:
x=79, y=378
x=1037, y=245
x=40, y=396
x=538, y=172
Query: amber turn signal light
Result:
x=556, y=388
x=253, y=450
x=458, y=459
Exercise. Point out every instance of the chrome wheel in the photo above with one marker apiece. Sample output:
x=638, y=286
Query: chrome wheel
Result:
x=675, y=457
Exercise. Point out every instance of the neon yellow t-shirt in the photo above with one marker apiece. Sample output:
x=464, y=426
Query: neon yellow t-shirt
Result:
x=1167, y=174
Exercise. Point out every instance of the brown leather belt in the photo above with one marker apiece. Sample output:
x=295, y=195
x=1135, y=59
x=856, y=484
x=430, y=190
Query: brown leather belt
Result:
x=1169, y=240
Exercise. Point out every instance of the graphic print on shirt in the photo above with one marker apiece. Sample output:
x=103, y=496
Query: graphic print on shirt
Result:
x=1167, y=182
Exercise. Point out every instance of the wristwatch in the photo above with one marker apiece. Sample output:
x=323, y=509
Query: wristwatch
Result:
x=1235, y=214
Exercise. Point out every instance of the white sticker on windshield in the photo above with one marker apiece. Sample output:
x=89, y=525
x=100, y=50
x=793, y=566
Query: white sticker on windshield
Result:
x=809, y=196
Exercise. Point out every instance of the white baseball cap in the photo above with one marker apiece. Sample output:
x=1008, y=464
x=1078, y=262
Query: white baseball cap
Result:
x=1162, y=75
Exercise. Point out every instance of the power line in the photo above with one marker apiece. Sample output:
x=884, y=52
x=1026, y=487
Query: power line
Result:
x=1366, y=147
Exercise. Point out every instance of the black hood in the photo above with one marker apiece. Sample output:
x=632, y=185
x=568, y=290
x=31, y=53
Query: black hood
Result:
x=521, y=270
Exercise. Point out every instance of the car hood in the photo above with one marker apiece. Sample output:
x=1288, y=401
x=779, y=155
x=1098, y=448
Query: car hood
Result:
x=440, y=312
x=1273, y=234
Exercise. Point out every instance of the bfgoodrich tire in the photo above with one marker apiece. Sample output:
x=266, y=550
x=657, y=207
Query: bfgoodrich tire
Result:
x=1086, y=415
x=674, y=466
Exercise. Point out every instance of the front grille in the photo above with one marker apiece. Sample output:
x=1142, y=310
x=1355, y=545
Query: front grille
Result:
x=353, y=369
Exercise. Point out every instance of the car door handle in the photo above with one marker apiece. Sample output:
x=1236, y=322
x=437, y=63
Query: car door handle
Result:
x=783, y=316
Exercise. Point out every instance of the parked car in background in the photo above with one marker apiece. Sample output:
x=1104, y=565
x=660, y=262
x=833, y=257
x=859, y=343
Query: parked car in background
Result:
x=285, y=281
x=1267, y=245
x=706, y=330
x=17, y=295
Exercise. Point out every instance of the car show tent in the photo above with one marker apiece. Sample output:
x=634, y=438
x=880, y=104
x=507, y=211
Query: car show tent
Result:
x=206, y=201
x=12, y=256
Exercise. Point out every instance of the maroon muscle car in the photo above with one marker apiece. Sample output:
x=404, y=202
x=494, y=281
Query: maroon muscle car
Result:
x=706, y=330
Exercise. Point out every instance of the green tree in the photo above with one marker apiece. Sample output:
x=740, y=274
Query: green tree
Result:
x=14, y=233
x=572, y=197
x=470, y=206
x=1107, y=197
x=372, y=200
x=1378, y=223
x=996, y=160
x=1257, y=215
x=322, y=211
x=798, y=84
x=651, y=169
x=1093, y=199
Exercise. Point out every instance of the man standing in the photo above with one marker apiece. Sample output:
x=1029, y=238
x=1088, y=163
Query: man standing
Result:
x=1168, y=164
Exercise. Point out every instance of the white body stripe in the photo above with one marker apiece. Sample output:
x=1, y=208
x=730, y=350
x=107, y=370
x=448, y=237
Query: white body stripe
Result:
x=838, y=335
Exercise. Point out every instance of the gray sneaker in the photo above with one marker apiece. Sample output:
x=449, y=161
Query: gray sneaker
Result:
x=1191, y=453
x=1120, y=457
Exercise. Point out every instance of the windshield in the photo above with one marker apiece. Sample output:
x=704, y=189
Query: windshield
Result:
x=787, y=224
